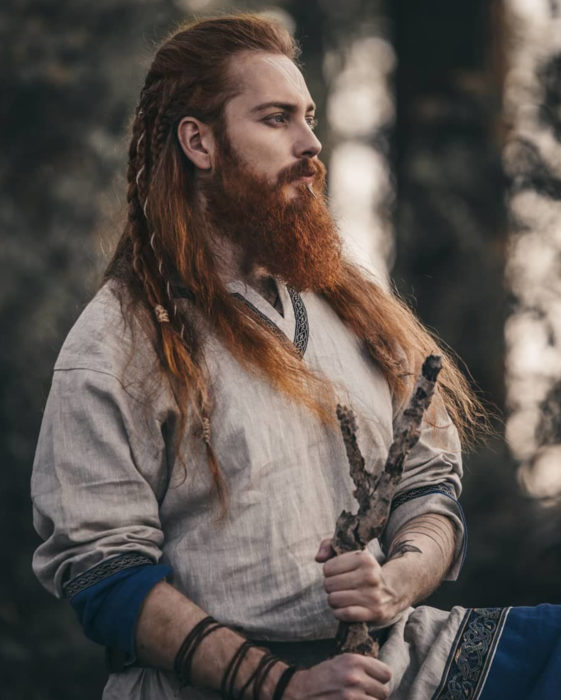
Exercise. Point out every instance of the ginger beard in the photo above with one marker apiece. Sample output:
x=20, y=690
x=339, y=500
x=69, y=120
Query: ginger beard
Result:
x=293, y=239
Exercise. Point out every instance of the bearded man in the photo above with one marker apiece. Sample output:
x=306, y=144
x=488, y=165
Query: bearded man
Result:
x=190, y=470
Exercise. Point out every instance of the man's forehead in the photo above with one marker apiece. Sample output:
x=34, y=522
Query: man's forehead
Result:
x=263, y=77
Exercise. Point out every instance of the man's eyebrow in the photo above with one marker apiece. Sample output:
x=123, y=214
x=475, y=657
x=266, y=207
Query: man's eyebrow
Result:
x=287, y=106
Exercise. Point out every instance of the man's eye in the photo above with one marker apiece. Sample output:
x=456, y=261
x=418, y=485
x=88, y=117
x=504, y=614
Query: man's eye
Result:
x=312, y=122
x=276, y=119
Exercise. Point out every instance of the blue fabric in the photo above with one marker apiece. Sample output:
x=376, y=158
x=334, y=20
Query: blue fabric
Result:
x=527, y=664
x=108, y=610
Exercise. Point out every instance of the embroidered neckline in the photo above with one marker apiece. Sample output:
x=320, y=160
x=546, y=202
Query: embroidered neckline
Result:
x=301, y=330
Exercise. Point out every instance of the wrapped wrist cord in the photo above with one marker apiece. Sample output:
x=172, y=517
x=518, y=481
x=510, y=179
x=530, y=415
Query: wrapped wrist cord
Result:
x=184, y=659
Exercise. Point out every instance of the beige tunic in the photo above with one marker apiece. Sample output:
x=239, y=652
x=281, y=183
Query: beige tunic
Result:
x=106, y=481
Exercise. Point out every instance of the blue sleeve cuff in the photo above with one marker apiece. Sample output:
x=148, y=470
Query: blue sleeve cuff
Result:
x=108, y=610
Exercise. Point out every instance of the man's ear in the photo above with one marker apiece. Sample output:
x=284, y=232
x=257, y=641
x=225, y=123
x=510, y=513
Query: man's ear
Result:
x=197, y=142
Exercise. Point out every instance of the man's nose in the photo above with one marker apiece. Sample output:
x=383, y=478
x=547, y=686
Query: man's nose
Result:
x=307, y=145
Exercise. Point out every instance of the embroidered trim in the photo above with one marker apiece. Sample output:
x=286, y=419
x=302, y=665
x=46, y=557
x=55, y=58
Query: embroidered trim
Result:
x=261, y=315
x=302, y=328
x=471, y=654
x=445, y=488
x=102, y=571
x=301, y=331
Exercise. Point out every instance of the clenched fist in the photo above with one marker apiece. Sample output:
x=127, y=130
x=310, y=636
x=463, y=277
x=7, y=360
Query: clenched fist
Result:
x=358, y=588
x=341, y=678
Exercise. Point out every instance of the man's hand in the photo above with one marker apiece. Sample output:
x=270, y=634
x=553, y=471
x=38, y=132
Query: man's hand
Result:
x=347, y=675
x=358, y=589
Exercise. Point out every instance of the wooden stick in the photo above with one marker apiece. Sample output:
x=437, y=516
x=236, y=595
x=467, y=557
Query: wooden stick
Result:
x=374, y=493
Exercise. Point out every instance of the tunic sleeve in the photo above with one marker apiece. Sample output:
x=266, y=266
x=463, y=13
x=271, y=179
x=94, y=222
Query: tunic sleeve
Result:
x=431, y=483
x=99, y=472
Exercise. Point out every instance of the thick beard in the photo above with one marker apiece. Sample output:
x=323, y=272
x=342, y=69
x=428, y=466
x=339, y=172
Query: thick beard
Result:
x=294, y=240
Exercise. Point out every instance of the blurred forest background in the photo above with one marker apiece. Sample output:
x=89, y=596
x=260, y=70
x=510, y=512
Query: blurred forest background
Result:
x=441, y=125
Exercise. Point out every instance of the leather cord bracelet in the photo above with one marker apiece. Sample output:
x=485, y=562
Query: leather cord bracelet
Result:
x=229, y=678
x=283, y=681
x=253, y=677
x=184, y=657
x=263, y=669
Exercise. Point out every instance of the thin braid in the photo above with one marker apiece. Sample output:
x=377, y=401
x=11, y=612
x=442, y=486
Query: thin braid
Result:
x=136, y=215
x=161, y=129
x=152, y=153
x=136, y=176
x=141, y=164
x=158, y=94
x=138, y=189
x=134, y=209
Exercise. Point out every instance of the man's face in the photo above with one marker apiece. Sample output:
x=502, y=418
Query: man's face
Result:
x=269, y=124
x=257, y=194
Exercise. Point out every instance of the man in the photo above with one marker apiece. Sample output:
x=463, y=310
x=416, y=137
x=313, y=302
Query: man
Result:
x=189, y=462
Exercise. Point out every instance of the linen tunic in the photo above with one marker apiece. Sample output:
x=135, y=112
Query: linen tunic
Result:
x=109, y=491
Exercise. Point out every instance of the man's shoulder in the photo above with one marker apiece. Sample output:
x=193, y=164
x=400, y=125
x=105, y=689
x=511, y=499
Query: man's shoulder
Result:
x=105, y=336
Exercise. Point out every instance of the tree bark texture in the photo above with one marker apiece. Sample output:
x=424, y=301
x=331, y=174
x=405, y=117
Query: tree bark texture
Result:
x=374, y=493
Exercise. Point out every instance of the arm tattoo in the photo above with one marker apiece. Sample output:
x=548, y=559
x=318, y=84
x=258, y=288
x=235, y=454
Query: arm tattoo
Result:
x=433, y=527
x=399, y=549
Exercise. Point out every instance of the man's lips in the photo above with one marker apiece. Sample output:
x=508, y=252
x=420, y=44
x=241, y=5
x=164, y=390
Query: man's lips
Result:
x=306, y=179
x=300, y=175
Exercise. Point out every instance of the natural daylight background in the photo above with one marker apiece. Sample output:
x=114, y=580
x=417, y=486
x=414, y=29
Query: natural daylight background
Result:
x=441, y=125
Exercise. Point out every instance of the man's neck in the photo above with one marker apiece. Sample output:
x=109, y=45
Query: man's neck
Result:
x=268, y=289
x=229, y=261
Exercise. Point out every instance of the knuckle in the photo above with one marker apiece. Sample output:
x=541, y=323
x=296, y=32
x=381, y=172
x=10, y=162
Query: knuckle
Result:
x=359, y=614
x=348, y=662
x=387, y=674
x=343, y=615
x=380, y=669
x=351, y=678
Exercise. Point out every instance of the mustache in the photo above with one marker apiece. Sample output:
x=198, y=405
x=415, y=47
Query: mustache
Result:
x=303, y=168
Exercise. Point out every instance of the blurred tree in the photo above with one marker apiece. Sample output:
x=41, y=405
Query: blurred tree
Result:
x=451, y=240
x=69, y=81
x=450, y=218
x=532, y=160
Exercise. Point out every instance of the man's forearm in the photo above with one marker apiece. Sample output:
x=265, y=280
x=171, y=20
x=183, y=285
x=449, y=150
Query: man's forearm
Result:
x=420, y=555
x=167, y=617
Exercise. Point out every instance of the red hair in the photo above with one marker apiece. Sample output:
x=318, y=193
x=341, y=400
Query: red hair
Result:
x=160, y=242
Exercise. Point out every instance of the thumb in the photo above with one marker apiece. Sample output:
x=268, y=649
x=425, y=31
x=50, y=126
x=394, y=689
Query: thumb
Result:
x=325, y=551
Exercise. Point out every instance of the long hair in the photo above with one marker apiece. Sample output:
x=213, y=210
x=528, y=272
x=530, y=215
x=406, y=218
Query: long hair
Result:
x=161, y=242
